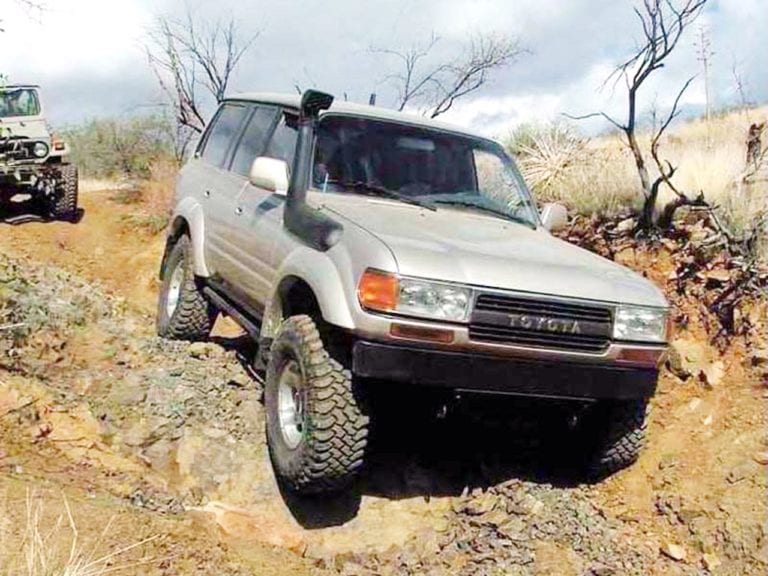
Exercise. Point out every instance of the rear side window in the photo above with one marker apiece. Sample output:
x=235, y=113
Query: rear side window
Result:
x=283, y=143
x=226, y=127
x=254, y=139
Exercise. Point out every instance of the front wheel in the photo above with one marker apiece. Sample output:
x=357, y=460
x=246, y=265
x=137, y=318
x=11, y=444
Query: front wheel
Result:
x=615, y=434
x=63, y=204
x=317, y=428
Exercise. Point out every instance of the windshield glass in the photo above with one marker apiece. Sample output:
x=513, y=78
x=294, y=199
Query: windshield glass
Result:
x=441, y=169
x=19, y=102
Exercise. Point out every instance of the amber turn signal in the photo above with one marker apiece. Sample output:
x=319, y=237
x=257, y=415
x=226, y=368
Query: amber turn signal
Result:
x=378, y=291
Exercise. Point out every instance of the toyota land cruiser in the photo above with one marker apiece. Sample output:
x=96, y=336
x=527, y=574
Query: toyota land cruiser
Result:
x=360, y=245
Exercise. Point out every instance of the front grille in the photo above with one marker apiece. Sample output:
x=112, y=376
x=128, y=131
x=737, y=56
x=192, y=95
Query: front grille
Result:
x=16, y=149
x=501, y=319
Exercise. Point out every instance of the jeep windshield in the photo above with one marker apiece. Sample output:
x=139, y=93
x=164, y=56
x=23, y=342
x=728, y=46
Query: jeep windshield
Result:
x=427, y=166
x=19, y=102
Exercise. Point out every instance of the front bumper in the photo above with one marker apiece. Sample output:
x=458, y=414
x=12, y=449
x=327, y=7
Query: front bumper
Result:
x=503, y=375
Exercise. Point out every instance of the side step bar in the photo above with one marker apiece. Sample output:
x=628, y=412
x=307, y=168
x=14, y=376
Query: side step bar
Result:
x=230, y=308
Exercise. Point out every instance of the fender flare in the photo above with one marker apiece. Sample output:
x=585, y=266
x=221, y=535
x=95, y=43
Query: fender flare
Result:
x=189, y=215
x=321, y=274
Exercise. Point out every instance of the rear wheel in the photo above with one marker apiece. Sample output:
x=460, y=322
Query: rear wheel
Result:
x=317, y=428
x=63, y=204
x=183, y=312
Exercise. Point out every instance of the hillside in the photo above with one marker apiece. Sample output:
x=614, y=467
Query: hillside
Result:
x=154, y=451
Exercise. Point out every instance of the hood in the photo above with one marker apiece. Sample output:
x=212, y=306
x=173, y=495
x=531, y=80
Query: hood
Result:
x=457, y=245
x=29, y=127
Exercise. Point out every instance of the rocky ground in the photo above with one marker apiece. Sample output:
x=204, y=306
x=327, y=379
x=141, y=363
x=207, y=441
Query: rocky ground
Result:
x=168, y=438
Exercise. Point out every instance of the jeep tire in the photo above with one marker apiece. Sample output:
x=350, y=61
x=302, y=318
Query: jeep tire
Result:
x=317, y=427
x=63, y=203
x=183, y=312
x=615, y=432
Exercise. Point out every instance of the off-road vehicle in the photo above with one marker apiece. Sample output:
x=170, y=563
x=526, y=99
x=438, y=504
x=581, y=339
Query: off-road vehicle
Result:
x=362, y=247
x=33, y=161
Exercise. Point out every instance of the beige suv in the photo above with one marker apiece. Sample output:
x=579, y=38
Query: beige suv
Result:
x=359, y=246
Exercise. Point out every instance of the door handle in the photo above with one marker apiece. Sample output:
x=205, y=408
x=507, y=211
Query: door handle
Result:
x=238, y=210
x=207, y=193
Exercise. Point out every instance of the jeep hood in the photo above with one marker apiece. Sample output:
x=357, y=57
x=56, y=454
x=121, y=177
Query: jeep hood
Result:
x=468, y=247
x=32, y=128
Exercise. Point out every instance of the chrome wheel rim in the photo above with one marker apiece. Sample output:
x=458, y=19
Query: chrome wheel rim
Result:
x=174, y=289
x=290, y=405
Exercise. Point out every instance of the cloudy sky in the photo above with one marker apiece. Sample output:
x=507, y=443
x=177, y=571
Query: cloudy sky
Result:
x=89, y=55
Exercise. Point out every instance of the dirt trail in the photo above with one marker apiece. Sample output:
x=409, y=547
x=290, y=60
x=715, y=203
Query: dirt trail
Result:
x=101, y=408
x=102, y=247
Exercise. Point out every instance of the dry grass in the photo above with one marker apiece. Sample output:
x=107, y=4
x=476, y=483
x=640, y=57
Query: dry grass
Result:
x=590, y=177
x=153, y=199
x=51, y=545
x=599, y=176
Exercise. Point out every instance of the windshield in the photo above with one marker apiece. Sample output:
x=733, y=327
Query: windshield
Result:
x=435, y=168
x=19, y=102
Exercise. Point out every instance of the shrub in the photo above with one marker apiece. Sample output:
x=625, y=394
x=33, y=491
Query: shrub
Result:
x=590, y=176
x=598, y=175
x=121, y=148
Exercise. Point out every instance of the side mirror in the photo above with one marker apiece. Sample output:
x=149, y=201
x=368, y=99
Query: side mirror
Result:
x=270, y=174
x=554, y=216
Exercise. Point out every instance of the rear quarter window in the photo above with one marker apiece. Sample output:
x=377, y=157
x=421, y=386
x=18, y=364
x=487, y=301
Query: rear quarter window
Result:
x=225, y=128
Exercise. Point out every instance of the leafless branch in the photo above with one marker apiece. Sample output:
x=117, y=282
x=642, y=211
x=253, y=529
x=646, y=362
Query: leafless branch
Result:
x=188, y=59
x=411, y=83
x=436, y=86
x=595, y=115
x=663, y=23
x=666, y=170
x=487, y=53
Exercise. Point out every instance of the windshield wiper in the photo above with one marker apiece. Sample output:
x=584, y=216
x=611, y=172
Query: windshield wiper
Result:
x=381, y=191
x=483, y=208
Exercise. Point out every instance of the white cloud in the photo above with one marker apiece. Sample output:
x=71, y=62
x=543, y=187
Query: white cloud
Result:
x=88, y=53
x=73, y=37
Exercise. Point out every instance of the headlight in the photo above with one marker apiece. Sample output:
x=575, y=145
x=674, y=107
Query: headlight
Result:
x=40, y=150
x=384, y=292
x=637, y=324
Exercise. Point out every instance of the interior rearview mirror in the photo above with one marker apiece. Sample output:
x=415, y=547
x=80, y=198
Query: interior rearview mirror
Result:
x=554, y=216
x=270, y=174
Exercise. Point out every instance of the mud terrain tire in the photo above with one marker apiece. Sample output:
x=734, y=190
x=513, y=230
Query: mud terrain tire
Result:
x=617, y=431
x=325, y=448
x=191, y=317
x=64, y=202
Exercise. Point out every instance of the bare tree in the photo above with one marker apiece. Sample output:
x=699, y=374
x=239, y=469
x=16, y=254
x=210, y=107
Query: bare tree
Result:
x=434, y=86
x=704, y=54
x=663, y=23
x=741, y=89
x=194, y=64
